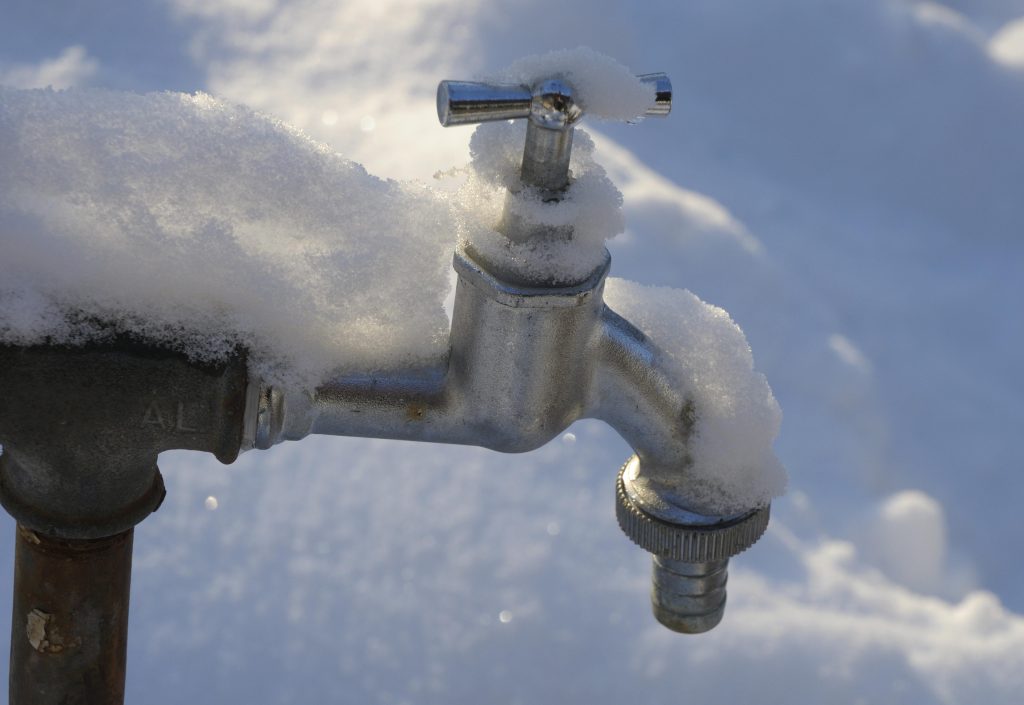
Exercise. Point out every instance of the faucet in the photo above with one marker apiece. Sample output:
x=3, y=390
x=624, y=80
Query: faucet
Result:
x=526, y=360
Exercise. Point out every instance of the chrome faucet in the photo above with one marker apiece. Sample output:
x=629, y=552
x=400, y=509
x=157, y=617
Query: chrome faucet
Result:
x=525, y=361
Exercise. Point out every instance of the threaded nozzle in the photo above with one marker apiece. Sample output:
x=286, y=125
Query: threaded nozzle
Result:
x=689, y=598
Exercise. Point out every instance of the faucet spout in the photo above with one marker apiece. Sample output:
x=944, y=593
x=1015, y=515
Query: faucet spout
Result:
x=634, y=394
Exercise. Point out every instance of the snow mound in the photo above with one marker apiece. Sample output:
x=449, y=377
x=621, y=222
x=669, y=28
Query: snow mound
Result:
x=734, y=466
x=1007, y=45
x=205, y=226
x=604, y=87
x=908, y=539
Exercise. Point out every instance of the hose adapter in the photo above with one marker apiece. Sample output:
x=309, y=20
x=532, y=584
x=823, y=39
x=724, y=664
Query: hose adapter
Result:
x=691, y=554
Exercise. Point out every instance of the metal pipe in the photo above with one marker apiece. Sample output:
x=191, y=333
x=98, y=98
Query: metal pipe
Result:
x=69, y=629
x=81, y=429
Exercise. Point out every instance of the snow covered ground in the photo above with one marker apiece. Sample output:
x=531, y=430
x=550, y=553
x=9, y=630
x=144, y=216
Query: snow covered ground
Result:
x=844, y=177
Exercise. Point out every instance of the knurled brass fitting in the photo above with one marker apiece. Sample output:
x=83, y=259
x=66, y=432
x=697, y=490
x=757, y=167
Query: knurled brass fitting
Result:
x=690, y=560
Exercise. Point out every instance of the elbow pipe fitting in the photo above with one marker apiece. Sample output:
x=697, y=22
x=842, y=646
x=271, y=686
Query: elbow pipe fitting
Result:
x=523, y=364
x=114, y=407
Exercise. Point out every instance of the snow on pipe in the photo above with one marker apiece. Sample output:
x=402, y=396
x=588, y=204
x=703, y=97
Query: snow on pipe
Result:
x=527, y=360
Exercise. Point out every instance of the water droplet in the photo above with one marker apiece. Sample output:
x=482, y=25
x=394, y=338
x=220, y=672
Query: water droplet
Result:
x=211, y=503
x=504, y=616
x=569, y=438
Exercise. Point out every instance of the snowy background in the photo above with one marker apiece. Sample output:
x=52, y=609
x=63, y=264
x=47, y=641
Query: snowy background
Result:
x=845, y=177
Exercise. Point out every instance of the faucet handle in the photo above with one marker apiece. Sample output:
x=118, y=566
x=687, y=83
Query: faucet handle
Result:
x=552, y=110
x=471, y=102
x=662, y=104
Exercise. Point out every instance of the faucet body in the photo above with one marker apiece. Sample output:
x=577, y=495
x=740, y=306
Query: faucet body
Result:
x=523, y=364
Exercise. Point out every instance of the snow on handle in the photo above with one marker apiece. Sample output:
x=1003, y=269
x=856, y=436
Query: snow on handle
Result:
x=605, y=88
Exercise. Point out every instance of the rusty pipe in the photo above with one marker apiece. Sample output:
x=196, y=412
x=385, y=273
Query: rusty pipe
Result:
x=69, y=630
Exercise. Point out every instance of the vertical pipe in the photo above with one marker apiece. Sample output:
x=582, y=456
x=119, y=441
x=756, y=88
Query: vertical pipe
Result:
x=69, y=632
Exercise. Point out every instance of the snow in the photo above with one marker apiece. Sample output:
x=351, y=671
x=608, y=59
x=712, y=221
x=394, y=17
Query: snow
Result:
x=206, y=226
x=734, y=467
x=842, y=177
x=907, y=537
x=603, y=87
x=1007, y=46
x=592, y=207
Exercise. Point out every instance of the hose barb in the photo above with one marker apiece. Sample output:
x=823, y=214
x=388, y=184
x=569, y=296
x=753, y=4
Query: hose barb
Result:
x=691, y=553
